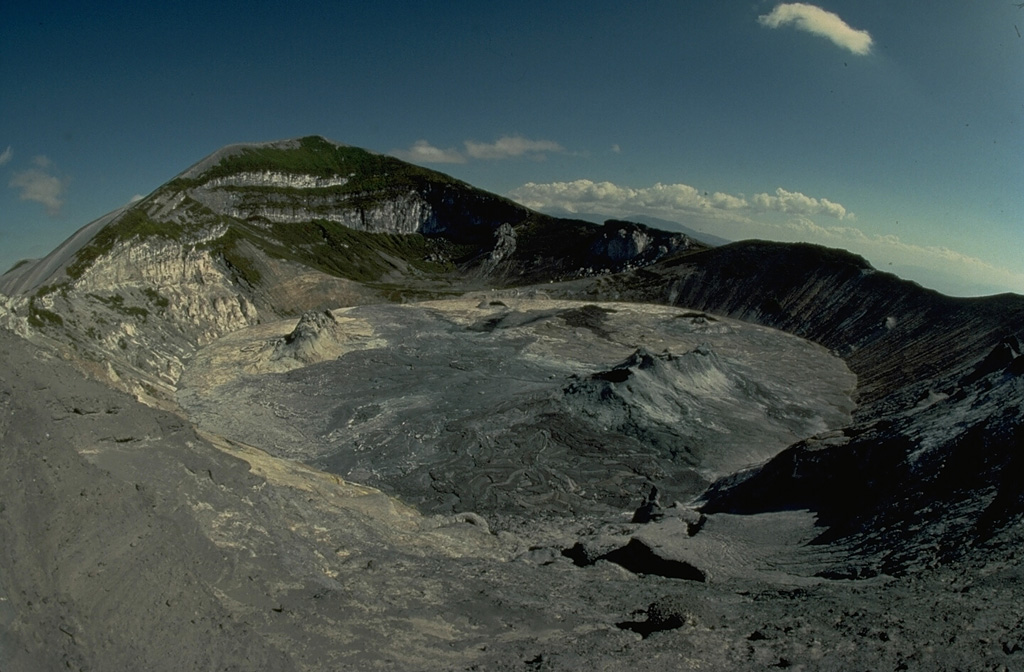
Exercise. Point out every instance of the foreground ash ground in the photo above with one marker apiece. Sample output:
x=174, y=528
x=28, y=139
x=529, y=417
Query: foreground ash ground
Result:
x=276, y=416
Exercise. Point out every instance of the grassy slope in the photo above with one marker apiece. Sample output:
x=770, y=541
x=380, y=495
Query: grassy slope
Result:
x=326, y=246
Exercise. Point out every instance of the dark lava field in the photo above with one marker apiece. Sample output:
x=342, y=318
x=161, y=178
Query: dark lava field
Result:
x=521, y=406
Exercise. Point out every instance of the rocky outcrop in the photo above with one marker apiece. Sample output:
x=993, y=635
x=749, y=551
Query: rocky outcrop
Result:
x=276, y=178
x=403, y=214
x=503, y=250
x=314, y=339
x=141, y=310
x=622, y=244
x=9, y=318
x=689, y=404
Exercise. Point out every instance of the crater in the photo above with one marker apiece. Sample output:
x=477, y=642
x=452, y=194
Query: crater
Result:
x=568, y=408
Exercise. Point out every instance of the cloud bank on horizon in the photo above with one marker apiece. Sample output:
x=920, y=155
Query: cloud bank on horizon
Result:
x=781, y=215
x=817, y=21
x=670, y=199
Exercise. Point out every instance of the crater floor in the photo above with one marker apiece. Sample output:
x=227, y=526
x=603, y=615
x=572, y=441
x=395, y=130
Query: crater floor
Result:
x=133, y=542
x=506, y=405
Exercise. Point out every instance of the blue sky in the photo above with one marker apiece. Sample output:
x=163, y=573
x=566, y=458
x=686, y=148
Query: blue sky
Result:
x=892, y=129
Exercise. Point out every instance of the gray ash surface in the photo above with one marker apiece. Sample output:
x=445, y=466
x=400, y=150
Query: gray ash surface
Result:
x=532, y=407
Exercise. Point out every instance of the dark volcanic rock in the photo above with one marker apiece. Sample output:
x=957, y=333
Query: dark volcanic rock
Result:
x=650, y=510
x=659, y=617
x=639, y=558
x=929, y=482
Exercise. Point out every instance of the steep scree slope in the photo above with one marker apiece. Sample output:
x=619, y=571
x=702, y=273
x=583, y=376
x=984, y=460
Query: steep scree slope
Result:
x=924, y=472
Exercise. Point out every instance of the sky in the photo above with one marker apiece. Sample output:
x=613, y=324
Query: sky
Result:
x=892, y=129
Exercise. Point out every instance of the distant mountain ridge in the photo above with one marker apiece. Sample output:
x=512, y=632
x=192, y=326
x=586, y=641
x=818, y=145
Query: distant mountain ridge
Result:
x=646, y=220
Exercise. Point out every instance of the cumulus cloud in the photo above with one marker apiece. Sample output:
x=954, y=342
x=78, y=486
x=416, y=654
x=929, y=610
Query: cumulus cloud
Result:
x=819, y=22
x=727, y=201
x=587, y=195
x=671, y=200
x=37, y=184
x=6, y=156
x=510, y=147
x=796, y=203
x=423, y=152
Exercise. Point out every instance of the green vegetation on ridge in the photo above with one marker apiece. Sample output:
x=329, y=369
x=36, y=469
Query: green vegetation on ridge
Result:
x=357, y=255
x=467, y=217
x=40, y=317
x=134, y=223
x=365, y=171
x=116, y=302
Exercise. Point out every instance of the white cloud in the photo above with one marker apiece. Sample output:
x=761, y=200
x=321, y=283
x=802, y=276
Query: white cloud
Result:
x=507, y=147
x=6, y=156
x=727, y=201
x=510, y=147
x=36, y=184
x=616, y=149
x=796, y=203
x=672, y=200
x=606, y=197
x=423, y=152
x=819, y=22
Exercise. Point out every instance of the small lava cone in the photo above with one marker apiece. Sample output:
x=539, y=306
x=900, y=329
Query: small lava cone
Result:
x=311, y=339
